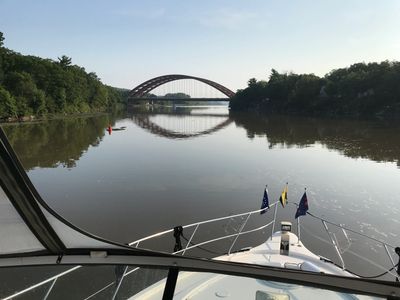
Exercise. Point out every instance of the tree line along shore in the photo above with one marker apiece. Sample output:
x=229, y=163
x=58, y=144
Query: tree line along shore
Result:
x=370, y=90
x=33, y=86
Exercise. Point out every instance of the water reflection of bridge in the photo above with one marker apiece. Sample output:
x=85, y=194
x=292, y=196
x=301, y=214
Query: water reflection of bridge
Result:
x=182, y=124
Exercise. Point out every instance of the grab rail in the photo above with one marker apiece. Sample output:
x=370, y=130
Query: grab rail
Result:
x=158, y=234
x=334, y=244
x=51, y=279
x=188, y=246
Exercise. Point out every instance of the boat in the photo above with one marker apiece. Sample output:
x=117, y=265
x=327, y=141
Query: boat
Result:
x=281, y=267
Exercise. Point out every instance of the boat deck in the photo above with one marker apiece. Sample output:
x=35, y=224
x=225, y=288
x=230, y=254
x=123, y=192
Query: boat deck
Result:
x=192, y=285
x=299, y=257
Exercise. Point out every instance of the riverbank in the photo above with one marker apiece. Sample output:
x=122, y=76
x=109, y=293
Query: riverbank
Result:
x=48, y=117
x=33, y=119
x=361, y=90
x=34, y=86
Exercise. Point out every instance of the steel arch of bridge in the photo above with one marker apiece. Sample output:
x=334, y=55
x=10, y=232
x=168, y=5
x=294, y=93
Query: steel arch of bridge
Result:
x=149, y=85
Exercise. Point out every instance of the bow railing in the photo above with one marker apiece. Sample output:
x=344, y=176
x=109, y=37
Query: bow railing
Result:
x=190, y=245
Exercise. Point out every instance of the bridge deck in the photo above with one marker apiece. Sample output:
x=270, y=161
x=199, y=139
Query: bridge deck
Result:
x=131, y=100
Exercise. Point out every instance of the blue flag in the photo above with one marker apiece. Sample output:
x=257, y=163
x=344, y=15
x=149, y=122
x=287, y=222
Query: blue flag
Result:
x=265, y=202
x=303, y=206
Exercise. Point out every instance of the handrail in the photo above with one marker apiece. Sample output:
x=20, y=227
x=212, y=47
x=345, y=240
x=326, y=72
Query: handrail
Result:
x=158, y=234
x=41, y=283
x=273, y=226
x=345, y=229
x=50, y=289
x=222, y=238
x=351, y=230
x=189, y=247
x=191, y=238
x=136, y=243
x=184, y=250
x=238, y=234
x=119, y=283
x=355, y=254
x=334, y=244
x=99, y=291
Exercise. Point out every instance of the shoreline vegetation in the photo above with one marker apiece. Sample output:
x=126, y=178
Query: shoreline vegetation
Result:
x=361, y=90
x=34, y=88
x=53, y=117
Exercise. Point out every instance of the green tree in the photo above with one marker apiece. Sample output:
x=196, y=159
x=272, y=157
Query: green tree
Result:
x=252, y=82
x=177, y=95
x=8, y=107
x=22, y=86
x=99, y=97
x=1, y=58
x=64, y=61
x=274, y=76
x=39, y=86
x=60, y=99
x=305, y=92
x=1, y=39
x=39, y=103
x=360, y=90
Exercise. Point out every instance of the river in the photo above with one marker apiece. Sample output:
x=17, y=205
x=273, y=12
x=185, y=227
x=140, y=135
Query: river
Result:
x=168, y=166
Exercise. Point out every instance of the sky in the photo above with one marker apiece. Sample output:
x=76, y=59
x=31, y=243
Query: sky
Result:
x=228, y=41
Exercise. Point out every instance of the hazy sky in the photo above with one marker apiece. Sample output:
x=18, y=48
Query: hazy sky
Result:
x=128, y=42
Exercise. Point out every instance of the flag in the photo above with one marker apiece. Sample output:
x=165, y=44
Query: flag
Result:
x=265, y=201
x=303, y=206
x=283, y=197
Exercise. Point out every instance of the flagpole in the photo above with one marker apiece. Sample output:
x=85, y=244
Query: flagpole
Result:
x=273, y=224
x=298, y=229
x=298, y=223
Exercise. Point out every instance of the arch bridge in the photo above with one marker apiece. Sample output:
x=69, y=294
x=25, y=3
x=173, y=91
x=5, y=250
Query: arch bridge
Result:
x=141, y=91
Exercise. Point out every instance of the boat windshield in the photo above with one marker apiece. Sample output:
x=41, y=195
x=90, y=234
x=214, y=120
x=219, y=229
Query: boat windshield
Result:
x=156, y=282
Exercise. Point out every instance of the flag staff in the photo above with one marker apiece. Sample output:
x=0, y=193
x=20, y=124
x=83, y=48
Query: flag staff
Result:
x=282, y=199
x=273, y=224
x=298, y=223
x=298, y=230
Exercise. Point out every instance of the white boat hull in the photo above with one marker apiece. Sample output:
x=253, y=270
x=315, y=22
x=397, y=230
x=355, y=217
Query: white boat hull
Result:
x=191, y=285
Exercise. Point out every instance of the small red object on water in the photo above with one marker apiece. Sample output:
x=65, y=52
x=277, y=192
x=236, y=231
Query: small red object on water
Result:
x=109, y=129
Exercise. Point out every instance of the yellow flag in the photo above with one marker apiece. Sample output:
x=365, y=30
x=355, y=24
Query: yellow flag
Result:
x=283, y=197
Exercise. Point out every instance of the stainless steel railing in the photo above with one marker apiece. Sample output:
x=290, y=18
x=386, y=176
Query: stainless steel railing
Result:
x=197, y=224
x=247, y=215
x=345, y=230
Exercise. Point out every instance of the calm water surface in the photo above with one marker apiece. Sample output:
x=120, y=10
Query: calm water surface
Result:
x=164, y=167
